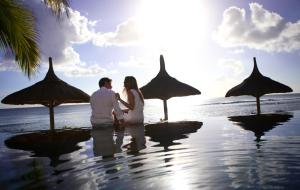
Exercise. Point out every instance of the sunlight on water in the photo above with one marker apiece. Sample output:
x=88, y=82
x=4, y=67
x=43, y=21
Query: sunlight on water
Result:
x=178, y=108
x=226, y=151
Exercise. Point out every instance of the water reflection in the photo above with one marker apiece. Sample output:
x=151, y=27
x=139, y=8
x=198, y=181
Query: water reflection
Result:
x=138, y=140
x=105, y=145
x=50, y=144
x=271, y=166
x=166, y=133
x=210, y=159
x=259, y=124
x=103, y=142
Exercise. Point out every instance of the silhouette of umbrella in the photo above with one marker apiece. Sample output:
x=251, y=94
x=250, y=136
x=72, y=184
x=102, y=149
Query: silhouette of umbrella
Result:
x=164, y=87
x=49, y=92
x=257, y=85
x=260, y=124
x=48, y=144
x=166, y=133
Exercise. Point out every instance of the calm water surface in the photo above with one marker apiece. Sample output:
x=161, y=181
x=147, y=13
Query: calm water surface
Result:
x=223, y=153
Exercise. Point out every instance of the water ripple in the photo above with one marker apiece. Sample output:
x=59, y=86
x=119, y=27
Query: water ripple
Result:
x=220, y=155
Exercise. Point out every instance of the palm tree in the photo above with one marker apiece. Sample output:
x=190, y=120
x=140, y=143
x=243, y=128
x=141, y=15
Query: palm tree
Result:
x=18, y=36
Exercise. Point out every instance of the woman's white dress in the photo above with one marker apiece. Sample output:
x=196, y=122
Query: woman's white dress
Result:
x=137, y=114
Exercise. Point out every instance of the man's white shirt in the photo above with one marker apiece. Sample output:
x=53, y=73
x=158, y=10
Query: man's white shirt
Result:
x=103, y=101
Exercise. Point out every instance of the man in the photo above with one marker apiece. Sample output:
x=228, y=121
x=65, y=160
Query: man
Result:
x=103, y=103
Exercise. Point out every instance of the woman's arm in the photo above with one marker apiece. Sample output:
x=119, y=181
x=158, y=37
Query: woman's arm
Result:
x=130, y=103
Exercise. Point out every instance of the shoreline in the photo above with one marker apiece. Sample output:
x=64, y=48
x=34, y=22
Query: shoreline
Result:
x=206, y=99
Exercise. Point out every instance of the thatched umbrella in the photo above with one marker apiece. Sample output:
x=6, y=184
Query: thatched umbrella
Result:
x=164, y=87
x=257, y=85
x=49, y=92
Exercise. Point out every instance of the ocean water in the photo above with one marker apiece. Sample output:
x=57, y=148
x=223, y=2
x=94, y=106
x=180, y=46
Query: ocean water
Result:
x=225, y=147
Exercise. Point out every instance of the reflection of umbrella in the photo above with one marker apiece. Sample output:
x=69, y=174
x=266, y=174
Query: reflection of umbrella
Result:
x=257, y=85
x=163, y=87
x=49, y=92
x=166, y=133
x=260, y=124
x=48, y=144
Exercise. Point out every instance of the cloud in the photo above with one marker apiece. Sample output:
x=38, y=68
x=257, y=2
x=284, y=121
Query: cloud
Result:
x=7, y=64
x=235, y=65
x=126, y=34
x=56, y=39
x=138, y=62
x=77, y=70
x=263, y=30
x=238, y=51
x=58, y=36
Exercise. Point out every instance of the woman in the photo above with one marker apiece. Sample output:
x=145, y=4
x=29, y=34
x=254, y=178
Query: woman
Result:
x=134, y=103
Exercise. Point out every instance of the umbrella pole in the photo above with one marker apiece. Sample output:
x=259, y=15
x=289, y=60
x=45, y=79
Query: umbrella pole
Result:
x=166, y=109
x=51, y=112
x=258, y=105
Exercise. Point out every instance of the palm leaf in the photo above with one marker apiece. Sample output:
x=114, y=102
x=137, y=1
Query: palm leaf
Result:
x=18, y=36
x=58, y=6
x=17, y=33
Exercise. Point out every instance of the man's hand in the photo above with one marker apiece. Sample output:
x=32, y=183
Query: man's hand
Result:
x=117, y=96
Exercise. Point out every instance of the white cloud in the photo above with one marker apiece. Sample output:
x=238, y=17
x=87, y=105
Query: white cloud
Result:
x=58, y=36
x=79, y=70
x=238, y=51
x=263, y=19
x=235, y=65
x=56, y=39
x=7, y=64
x=138, y=62
x=126, y=34
x=264, y=30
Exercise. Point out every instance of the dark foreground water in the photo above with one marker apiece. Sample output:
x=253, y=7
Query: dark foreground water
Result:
x=228, y=149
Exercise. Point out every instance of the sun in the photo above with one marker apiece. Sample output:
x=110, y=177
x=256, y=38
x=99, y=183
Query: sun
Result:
x=172, y=23
x=181, y=31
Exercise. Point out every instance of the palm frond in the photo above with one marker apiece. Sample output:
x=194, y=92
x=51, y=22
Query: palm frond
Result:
x=18, y=35
x=58, y=6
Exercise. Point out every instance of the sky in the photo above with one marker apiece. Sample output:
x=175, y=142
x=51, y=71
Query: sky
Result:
x=208, y=44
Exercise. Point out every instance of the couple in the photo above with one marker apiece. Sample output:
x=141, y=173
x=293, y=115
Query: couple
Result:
x=105, y=106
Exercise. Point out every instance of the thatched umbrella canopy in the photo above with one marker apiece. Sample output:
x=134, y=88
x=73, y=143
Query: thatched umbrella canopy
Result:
x=257, y=85
x=259, y=124
x=49, y=92
x=164, y=87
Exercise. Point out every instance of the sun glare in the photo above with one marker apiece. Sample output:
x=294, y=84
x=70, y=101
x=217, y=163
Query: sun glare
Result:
x=169, y=24
x=180, y=30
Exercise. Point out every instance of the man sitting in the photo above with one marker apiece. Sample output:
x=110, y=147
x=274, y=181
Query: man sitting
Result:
x=104, y=104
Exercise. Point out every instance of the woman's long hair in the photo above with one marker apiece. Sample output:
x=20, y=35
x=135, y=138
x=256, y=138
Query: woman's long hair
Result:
x=132, y=84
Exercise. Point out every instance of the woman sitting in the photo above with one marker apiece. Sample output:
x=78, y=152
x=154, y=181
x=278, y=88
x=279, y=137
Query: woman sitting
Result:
x=135, y=102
